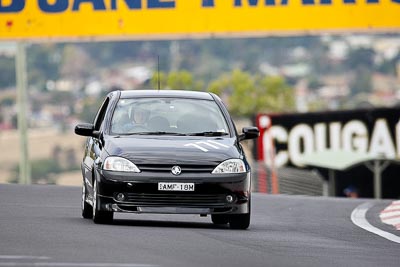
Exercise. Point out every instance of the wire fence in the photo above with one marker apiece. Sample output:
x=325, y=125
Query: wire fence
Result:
x=291, y=181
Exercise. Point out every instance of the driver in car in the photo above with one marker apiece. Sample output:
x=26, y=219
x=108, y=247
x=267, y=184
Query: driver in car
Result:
x=138, y=119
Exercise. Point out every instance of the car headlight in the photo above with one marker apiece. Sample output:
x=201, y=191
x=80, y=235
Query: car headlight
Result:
x=231, y=166
x=119, y=164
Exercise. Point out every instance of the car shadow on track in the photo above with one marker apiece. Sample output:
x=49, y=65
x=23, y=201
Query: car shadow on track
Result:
x=168, y=224
x=156, y=223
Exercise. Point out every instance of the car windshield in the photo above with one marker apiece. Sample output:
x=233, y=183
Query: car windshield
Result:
x=168, y=116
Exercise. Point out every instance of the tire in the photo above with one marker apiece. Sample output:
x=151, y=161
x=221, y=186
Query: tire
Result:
x=100, y=216
x=87, y=210
x=219, y=219
x=239, y=221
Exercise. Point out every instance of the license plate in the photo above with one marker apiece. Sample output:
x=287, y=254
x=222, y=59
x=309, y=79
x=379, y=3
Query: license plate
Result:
x=175, y=186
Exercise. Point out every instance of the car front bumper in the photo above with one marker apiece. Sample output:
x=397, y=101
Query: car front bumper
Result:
x=213, y=194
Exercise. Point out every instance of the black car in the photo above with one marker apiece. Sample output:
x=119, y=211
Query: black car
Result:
x=165, y=151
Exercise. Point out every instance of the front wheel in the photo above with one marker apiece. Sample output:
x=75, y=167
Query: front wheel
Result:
x=100, y=216
x=87, y=211
x=239, y=221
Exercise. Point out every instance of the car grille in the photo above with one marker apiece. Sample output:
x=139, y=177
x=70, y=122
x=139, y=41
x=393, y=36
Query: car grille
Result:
x=181, y=200
x=185, y=168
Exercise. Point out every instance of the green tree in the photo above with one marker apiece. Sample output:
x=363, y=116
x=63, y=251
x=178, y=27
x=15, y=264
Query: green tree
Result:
x=7, y=71
x=362, y=57
x=176, y=80
x=241, y=91
x=247, y=95
x=159, y=79
x=360, y=62
x=43, y=63
x=362, y=81
x=389, y=66
x=274, y=95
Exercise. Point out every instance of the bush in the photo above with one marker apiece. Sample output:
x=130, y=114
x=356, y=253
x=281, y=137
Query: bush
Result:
x=43, y=171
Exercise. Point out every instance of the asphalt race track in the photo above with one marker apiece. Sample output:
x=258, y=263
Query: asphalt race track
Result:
x=42, y=226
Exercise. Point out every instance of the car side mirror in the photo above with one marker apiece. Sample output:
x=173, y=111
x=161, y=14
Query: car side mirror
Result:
x=84, y=129
x=249, y=133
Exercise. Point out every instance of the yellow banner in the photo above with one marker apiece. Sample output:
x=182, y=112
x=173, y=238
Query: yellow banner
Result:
x=66, y=19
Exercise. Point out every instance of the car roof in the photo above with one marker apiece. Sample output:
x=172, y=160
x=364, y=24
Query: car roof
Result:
x=166, y=93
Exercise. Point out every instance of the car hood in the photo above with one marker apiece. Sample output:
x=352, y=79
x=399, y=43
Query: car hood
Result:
x=173, y=150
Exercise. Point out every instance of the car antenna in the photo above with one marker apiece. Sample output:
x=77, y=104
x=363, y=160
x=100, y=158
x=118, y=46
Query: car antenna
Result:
x=158, y=72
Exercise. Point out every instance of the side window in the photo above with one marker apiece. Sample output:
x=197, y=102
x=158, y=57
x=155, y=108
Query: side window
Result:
x=98, y=121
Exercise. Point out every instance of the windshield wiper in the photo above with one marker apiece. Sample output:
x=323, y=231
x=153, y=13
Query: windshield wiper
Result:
x=155, y=133
x=209, y=133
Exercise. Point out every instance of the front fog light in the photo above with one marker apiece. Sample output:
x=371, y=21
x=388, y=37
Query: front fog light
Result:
x=229, y=198
x=120, y=197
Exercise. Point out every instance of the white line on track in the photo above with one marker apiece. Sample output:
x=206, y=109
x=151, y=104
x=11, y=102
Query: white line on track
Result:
x=358, y=217
x=40, y=206
x=74, y=264
x=15, y=260
x=22, y=257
